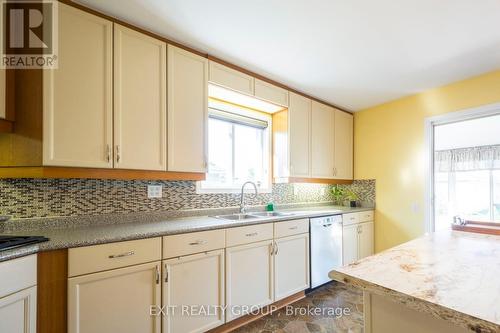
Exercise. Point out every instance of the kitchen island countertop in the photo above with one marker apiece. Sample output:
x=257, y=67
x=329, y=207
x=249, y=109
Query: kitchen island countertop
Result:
x=450, y=275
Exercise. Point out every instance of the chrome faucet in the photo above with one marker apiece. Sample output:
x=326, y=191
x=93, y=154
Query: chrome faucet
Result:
x=242, y=202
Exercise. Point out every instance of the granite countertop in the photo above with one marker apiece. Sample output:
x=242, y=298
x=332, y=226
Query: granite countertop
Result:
x=452, y=275
x=107, y=230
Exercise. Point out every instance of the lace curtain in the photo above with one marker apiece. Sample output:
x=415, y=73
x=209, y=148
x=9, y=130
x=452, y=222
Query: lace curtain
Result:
x=467, y=159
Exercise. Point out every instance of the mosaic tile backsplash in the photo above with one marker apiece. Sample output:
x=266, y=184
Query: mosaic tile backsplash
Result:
x=28, y=198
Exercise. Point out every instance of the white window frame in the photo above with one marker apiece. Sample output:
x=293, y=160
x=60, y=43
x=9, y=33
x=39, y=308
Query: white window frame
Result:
x=268, y=142
x=429, y=124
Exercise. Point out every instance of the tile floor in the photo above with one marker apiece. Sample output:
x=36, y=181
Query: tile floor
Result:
x=324, y=301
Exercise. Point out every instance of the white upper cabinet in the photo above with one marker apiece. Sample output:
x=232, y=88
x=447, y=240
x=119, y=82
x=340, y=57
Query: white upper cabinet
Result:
x=322, y=140
x=312, y=140
x=271, y=93
x=187, y=111
x=343, y=145
x=77, y=97
x=230, y=78
x=140, y=106
x=299, y=127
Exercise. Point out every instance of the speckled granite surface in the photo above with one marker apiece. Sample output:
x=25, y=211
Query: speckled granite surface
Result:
x=129, y=227
x=449, y=274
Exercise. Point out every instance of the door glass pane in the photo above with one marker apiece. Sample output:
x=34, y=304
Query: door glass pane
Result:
x=472, y=195
x=220, y=151
x=496, y=195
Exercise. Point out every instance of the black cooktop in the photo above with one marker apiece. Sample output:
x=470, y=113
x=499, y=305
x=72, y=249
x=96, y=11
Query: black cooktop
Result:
x=10, y=242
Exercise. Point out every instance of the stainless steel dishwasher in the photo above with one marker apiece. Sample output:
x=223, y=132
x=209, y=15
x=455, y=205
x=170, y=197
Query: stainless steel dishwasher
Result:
x=326, y=247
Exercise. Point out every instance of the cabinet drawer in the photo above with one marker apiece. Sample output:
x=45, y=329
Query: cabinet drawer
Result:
x=366, y=216
x=351, y=218
x=195, y=242
x=289, y=228
x=90, y=259
x=230, y=78
x=17, y=274
x=250, y=234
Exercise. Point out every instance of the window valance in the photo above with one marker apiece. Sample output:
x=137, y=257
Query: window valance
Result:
x=468, y=159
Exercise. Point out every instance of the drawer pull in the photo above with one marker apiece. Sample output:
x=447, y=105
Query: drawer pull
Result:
x=199, y=242
x=252, y=234
x=121, y=255
x=293, y=228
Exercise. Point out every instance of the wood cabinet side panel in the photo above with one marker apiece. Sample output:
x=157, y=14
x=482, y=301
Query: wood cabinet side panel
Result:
x=52, y=292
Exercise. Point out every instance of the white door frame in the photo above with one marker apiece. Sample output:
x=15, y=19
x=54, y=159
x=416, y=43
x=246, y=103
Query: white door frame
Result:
x=430, y=123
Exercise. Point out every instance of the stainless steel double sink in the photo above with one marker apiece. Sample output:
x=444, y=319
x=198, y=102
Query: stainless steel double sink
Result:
x=252, y=216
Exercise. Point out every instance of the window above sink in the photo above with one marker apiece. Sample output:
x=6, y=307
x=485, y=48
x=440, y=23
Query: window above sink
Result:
x=239, y=148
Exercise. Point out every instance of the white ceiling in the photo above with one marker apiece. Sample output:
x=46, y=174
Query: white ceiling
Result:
x=469, y=133
x=352, y=53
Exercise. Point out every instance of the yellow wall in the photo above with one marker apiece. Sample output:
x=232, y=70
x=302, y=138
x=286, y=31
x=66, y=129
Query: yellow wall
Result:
x=389, y=147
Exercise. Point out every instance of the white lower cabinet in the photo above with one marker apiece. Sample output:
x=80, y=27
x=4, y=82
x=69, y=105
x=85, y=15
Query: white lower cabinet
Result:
x=18, y=312
x=249, y=277
x=206, y=284
x=365, y=239
x=18, y=295
x=357, y=240
x=193, y=292
x=291, y=265
x=264, y=272
x=349, y=244
x=117, y=300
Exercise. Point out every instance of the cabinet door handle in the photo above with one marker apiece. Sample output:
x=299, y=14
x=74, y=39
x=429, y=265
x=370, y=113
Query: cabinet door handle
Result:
x=271, y=248
x=117, y=154
x=293, y=228
x=157, y=276
x=108, y=153
x=199, y=242
x=121, y=255
x=252, y=234
x=276, y=251
x=166, y=273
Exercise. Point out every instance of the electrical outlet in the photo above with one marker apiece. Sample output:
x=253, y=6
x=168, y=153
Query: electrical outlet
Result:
x=295, y=190
x=155, y=191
